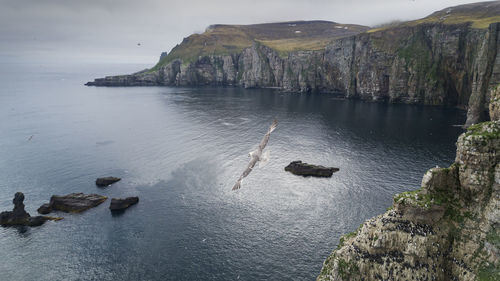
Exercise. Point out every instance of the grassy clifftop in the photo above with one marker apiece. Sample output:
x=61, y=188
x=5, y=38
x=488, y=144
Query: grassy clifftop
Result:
x=480, y=15
x=283, y=37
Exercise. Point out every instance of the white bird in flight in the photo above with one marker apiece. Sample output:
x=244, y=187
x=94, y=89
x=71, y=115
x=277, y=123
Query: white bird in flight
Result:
x=255, y=156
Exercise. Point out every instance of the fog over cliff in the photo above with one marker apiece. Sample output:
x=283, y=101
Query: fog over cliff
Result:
x=138, y=31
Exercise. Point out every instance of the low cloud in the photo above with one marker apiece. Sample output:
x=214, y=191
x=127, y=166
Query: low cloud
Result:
x=109, y=30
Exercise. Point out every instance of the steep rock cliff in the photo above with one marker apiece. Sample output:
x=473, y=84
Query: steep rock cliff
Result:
x=495, y=104
x=434, y=61
x=449, y=229
x=434, y=64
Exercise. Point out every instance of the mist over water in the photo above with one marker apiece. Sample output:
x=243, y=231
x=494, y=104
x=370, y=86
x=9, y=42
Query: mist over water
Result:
x=181, y=150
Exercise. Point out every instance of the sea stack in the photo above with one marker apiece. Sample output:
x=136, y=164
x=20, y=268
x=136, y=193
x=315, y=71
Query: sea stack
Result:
x=19, y=217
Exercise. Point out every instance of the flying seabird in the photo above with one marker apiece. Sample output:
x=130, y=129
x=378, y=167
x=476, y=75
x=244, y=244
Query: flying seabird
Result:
x=256, y=155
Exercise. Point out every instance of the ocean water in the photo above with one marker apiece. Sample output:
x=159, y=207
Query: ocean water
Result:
x=181, y=150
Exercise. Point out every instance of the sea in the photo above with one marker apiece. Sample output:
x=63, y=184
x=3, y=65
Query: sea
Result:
x=181, y=150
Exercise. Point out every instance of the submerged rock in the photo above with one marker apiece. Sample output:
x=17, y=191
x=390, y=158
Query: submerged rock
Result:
x=119, y=204
x=18, y=216
x=72, y=203
x=106, y=181
x=306, y=170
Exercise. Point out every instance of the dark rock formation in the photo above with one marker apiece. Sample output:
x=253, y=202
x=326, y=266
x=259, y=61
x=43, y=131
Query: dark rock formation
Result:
x=163, y=55
x=73, y=203
x=39, y=220
x=18, y=211
x=106, y=181
x=18, y=216
x=44, y=209
x=306, y=170
x=119, y=204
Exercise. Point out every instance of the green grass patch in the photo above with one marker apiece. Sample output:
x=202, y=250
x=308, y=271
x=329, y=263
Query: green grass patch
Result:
x=417, y=198
x=493, y=237
x=476, y=20
x=347, y=270
x=488, y=272
x=488, y=130
x=346, y=237
x=282, y=37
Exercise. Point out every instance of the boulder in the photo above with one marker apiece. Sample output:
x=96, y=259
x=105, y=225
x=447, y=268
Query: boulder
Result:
x=102, y=182
x=119, y=204
x=45, y=209
x=72, y=203
x=308, y=170
x=19, y=217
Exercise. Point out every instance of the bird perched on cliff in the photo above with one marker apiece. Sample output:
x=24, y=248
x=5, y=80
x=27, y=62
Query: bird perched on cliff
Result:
x=255, y=156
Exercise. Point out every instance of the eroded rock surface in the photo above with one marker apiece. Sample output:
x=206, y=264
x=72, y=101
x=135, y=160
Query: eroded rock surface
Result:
x=105, y=181
x=446, y=230
x=18, y=216
x=495, y=104
x=309, y=170
x=119, y=204
x=44, y=209
x=73, y=203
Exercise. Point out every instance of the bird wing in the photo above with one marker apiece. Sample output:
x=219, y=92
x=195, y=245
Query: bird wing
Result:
x=255, y=156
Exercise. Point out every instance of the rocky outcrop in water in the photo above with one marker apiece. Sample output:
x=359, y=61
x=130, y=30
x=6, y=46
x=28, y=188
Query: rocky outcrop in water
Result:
x=119, y=204
x=19, y=217
x=449, y=229
x=308, y=170
x=103, y=182
x=45, y=209
x=72, y=203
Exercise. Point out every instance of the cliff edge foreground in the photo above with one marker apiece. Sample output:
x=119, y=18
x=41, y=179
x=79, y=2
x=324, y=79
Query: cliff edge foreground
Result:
x=446, y=230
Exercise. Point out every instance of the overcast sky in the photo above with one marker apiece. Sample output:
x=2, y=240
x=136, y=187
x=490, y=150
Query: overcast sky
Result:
x=109, y=30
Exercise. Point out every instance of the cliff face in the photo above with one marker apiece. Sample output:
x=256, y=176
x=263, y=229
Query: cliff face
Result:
x=429, y=63
x=495, y=104
x=449, y=229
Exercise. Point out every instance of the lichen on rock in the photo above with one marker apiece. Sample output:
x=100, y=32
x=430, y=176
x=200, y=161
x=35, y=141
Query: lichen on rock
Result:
x=494, y=105
x=446, y=230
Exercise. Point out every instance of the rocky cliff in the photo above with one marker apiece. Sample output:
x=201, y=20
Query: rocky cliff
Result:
x=449, y=58
x=449, y=229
